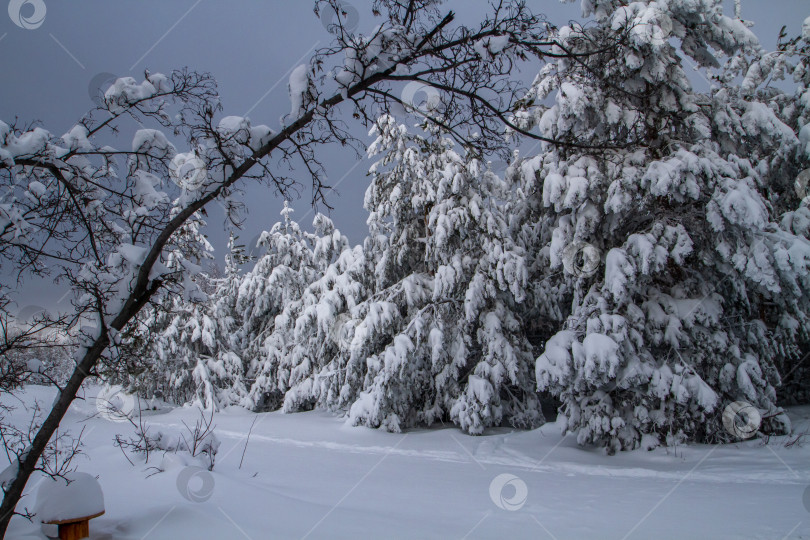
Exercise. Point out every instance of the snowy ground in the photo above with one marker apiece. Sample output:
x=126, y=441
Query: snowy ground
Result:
x=309, y=475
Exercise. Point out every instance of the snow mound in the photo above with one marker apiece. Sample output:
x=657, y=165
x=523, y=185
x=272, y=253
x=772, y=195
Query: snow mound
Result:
x=60, y=500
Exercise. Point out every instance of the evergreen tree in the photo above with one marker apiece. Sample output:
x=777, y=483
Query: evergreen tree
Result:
x=164, y=347
x=270, y=298
x=790, y=61
x=455, y=277
x=278, y=276
x=226, y=367
x=185, y=348
x=698, y=289
x=309, y=348
x=433, y=336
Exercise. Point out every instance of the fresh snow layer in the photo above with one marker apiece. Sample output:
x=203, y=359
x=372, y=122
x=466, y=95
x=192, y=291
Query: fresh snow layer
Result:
x=309, y=475
x=61, y=499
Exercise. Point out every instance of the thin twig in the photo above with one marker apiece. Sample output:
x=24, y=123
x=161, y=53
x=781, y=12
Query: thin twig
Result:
x=247, y=441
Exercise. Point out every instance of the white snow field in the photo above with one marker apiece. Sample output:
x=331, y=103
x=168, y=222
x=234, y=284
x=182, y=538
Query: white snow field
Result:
x=309, y=475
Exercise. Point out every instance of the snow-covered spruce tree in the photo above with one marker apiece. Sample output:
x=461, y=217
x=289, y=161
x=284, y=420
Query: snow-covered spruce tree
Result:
x=227, y=367
x=450, y=269
x=790, y=61
x=293, y=260
x=201, y=341
x=278, y=277
x=167, y=350
x=303, y=352
x=141, y=363
x=180, y=360
x=700, y=291
x=548, y=293
x=437, y=339
x=185, y=348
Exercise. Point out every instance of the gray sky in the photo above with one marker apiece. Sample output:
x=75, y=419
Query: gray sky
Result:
x=249, y=46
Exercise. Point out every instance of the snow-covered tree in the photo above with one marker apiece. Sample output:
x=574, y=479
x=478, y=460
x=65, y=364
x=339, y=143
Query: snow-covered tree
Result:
x=278, y=277
x=790, y=61
x=293, y=260
x=698, y=290
x=186, y=349
x=432, y=335
x=227, y=367
x=304, y=353
x=452, y=277
x=167, y=349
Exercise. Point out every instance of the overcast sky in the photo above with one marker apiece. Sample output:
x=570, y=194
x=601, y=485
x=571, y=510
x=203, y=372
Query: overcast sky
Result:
x=249, y=46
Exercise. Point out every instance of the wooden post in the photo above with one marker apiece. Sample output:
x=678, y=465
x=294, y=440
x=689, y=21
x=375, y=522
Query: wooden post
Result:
x=74, y=529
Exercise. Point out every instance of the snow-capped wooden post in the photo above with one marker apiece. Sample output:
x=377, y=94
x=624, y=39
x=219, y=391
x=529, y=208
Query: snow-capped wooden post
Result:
x=70, y=505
